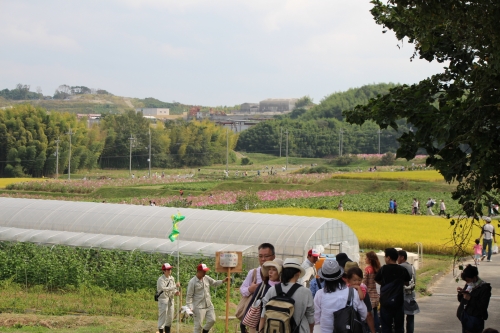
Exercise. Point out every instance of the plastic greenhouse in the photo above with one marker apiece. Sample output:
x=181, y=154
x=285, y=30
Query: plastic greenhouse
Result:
x=146, y=228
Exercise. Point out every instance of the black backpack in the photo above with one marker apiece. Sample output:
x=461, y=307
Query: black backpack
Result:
x=347, y=320
x=279, y=311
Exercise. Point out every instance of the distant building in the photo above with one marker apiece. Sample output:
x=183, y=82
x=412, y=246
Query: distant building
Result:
x=92, y=118
x=249, y=107
x=154, y=112
x=277, y=105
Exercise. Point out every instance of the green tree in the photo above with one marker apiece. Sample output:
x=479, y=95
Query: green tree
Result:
x=453, y=114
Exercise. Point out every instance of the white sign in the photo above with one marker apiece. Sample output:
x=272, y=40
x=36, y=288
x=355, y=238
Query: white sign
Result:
x=228, y=259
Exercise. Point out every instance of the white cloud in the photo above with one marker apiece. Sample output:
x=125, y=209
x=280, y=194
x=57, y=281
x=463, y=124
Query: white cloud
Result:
x=37, y=35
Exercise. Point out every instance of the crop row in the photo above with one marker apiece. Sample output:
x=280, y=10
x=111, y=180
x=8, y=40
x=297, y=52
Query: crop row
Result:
x=62, y=267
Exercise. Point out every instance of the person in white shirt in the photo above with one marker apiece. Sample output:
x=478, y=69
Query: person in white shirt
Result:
x=488, y=234
x=309, y=266
x=442, y=208
x=333, y=296
x=198, y=298
x=429, y=205
x=254, y=277
x=167, y=288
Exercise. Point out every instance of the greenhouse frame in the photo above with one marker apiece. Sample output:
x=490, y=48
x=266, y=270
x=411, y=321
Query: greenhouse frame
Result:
x=146, y=228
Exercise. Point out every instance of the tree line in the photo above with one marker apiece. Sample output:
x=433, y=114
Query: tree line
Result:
x=34, y=142
x=319, y=130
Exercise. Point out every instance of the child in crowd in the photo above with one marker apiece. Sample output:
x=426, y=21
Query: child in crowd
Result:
x=354, y=278
x=478, y=251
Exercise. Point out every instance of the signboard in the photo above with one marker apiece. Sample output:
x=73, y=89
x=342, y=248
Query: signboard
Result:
x=229, y=261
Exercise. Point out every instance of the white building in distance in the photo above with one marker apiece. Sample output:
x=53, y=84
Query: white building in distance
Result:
x=277, y=105
x=154, y=112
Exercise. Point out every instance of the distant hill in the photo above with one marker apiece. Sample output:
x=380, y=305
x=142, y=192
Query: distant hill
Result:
x=333, y=105
x=103, y=103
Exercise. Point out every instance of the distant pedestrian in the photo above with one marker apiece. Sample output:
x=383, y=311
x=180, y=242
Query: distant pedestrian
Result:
x=442, y=208
x=488, y=235
x=340, y=207
x=133, y=176
x=391, y=206
x=478, y=252
x=395, y=207
x=418, y=207
x=181, y=193
x=414, y=207
x=430, y=203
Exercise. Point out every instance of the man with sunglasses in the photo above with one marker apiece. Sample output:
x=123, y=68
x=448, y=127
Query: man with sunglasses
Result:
x=167, y=289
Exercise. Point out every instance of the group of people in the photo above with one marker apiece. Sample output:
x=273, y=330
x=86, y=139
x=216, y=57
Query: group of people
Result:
x=317, y=296
x=415, y=207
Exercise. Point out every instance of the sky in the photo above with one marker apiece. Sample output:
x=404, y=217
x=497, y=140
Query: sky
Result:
x=204, y=52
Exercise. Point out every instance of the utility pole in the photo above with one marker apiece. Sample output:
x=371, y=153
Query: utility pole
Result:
x=227, y=149
x=57, y=157
x=287, y=149
x=149, y=159
x=341, y=132
x=130, y=161
x=70, y=133
x=379, y=140
x=281, y=138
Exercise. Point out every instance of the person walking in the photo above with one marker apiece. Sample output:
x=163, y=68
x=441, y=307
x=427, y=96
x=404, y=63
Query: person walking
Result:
x=392, y=278
x=309, y=267
x=429, y=205
x=488, y=234
x=303, y=314
x=410, y=306
x=442, y=208
x=414, y=207
x=198, y=298
x=333, y=297
x=395, y=207
x=371, y=269
x=167, y=289
x=340, y=207
x=253, y=279
x=391, y=206
x=474, y=299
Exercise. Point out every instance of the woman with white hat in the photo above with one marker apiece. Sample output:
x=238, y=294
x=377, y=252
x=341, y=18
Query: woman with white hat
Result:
x=333, y=296
x=303, y=314
x=270, y=273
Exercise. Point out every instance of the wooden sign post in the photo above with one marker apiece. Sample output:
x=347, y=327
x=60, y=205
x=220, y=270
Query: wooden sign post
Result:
x=228, y=262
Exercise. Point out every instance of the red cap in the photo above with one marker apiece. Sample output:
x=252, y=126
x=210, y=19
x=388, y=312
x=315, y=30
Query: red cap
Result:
x=313, y=252
x=166, y=266
x=203, y=267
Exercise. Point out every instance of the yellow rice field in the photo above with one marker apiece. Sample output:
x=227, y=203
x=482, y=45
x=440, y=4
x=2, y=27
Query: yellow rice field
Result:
x=379, y=231
x=421, y=175
x=6, y=181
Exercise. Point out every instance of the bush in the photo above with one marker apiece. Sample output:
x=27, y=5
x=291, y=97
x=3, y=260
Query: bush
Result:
x=246, y=161
x=346, y=160
x=388, y=159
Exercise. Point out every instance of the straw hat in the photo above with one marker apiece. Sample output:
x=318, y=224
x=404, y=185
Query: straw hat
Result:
x=350, y=264
x=294, y=263
x=277, y=263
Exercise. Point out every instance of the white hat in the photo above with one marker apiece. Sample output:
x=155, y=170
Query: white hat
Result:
x=278, y=263
x=294, y=263
x=487, y=219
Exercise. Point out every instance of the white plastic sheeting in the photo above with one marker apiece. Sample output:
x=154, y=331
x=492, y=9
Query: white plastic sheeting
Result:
x=146, y=228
